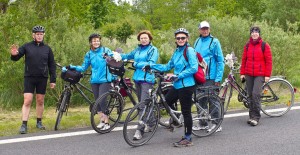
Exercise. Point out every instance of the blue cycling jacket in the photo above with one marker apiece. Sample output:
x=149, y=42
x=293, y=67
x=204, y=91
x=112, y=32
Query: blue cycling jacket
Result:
x=210, y=49
x=142, y=55
x=94, y=58
x=184, y=70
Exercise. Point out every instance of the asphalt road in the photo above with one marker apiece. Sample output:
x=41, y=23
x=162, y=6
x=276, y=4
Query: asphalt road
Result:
x=273, y=136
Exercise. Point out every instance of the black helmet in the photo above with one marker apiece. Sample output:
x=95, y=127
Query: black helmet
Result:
x=94, y=35
x=182, y=30
x=38, y=28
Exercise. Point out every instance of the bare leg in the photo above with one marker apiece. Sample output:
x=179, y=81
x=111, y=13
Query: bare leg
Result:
x=40, y=105
x=26, y=106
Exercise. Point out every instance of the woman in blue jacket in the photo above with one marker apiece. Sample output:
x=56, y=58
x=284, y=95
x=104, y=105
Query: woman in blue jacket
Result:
x=101, y=78
x=183, y=81
x=142, y=55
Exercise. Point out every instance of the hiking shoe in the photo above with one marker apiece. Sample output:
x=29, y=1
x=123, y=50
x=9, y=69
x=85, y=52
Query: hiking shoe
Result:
x=254, y=122
x=105, y=127
x=23, y=129
x=39, y=125
x=100, y=125
x=137, y=135
x=183, y=142
x=214, y=126
x=200, y=127
x=249, y=120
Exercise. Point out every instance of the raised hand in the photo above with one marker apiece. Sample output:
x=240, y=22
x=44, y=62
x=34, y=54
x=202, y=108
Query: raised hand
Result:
x=14, y=49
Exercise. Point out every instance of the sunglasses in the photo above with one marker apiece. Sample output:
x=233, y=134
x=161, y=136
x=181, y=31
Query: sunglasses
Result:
x=182, y=38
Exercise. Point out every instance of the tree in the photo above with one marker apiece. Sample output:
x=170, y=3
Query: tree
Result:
x=124, y=32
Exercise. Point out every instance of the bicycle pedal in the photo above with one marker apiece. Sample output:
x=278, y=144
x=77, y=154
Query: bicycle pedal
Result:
x=171, y=128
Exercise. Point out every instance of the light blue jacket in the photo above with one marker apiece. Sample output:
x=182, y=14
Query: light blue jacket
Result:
x=142, y=55
x=185, y=70
x=100, y=73
x=213, y=55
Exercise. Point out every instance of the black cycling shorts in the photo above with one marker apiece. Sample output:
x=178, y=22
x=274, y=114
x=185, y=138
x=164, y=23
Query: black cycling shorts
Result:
x=37, y=84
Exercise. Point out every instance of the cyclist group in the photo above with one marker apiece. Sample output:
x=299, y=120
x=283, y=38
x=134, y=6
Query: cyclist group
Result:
x=256, y=68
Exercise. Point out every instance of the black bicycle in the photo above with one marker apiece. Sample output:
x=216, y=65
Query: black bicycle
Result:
x=63, y=103
x=150, y=114
x=119, y=100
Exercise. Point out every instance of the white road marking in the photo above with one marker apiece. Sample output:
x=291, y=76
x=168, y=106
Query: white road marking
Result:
x=16, y=140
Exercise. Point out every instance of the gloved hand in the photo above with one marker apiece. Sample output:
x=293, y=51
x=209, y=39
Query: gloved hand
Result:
x=64, y=69
x=117, y=56
x=173, y=78
x=146, y=68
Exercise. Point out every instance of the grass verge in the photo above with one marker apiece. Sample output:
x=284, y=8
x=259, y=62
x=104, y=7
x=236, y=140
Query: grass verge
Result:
x=10, y=121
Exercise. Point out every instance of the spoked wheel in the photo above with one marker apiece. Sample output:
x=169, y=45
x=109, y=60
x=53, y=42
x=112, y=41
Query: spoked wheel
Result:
x=62, y=107
x=140, y=130
x=129, y=102
x=277, y=97
x=114, y=108
x=207, y=115
x=225, y=95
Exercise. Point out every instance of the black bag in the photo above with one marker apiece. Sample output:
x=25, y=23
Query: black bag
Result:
x=114, y=67
x=71, y=75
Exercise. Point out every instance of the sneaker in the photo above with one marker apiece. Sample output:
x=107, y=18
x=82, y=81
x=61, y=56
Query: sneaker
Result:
x=249, y=120
x=183, y=142
x=200, y=127
x=39, y=125
x=254, y=123
x=23, y=129
x=137, y=135
x=100, y=125
x=214, y=126
x=105, y=127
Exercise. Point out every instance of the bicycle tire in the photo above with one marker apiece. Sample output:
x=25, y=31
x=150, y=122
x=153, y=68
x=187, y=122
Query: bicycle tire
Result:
x=211, y=118
x=164, y=116
x=61, y=108
x=130, y=126
x=225, y=95
x=114, y=111
x=129, y=104
x=277, y=97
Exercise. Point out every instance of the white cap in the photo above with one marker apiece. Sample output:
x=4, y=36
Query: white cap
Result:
x=203, y=24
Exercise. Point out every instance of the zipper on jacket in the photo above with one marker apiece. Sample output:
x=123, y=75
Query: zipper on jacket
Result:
x=253, y=61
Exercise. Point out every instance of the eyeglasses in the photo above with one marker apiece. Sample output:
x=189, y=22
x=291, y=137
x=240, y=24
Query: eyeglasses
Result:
x=182, y=38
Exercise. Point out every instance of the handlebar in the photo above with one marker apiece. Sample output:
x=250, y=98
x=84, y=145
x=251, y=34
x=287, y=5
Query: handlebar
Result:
x=60, y=66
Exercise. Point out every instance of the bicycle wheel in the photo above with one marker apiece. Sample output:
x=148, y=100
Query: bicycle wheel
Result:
x=164, y=116
x=207, y=114
x=114, y=102
x=277, y=97
x=129, y=102
x=146, y=123
x=225, y=95
x=62, y=107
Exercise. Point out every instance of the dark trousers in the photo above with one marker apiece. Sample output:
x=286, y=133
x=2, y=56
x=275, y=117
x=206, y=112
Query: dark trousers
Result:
x=142, y=90
x=185, y=98
x=254, y=89
x=98, y=91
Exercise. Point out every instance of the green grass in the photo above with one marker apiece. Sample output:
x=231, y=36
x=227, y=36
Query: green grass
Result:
x=10, y=121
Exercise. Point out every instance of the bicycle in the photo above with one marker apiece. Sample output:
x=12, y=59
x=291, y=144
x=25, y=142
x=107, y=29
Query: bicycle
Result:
x=63, y=103
x=277, y=95
x=119, y=100
x=149, y=114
